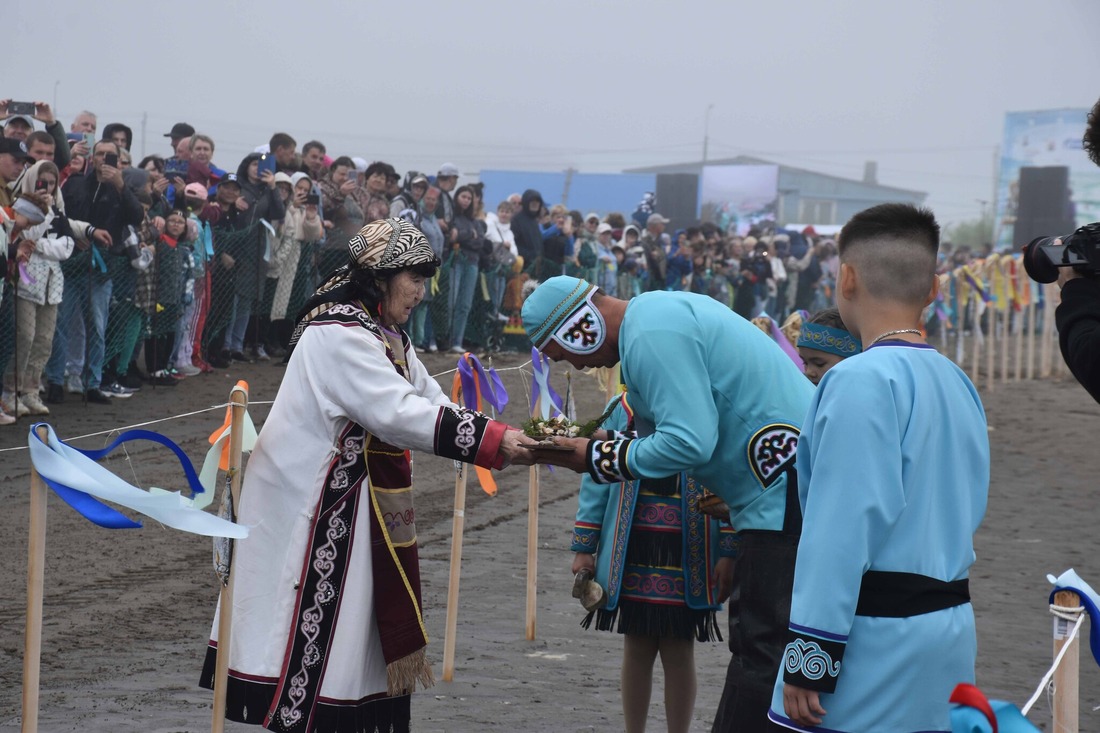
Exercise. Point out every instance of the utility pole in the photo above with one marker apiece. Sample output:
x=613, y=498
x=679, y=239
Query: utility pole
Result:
x=568, y=182
x=706, y=133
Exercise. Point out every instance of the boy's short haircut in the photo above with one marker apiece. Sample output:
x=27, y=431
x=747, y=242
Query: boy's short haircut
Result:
x=894, y=248
x=281, y=140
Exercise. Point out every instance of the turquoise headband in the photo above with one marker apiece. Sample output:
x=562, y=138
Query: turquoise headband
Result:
x=828, y=339
x=561, y=310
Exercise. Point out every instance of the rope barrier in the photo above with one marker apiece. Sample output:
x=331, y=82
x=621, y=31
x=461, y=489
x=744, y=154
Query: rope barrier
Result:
x=1068, y=614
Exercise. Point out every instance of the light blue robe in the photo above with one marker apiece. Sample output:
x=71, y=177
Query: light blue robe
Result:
x=726, y=404
x=893, y=470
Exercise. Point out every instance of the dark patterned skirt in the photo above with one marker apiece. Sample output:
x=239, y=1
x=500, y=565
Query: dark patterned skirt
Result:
x=651, y=598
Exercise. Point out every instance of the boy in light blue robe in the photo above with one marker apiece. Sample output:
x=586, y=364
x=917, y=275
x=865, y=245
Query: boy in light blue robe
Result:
x=893, y=470
x=726, y=405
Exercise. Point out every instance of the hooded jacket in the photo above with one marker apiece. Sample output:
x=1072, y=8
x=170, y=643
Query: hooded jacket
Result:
x=112, y=128
x=263, y=203
x=526, y=229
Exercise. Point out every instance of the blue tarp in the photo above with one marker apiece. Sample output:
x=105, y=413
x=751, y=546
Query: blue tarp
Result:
x=598, y=192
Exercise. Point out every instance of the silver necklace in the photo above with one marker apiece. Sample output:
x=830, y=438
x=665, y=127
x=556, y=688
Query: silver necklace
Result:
x=894, y=333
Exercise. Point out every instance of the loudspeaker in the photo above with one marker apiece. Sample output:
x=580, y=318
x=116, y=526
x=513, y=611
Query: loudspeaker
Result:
x=678, y=199
x=1044, y=207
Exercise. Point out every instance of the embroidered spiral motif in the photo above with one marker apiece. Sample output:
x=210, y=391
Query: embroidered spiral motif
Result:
x=464, y=439
x=808, y=659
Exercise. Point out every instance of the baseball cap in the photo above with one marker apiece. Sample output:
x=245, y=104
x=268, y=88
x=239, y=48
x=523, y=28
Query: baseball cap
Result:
x=26, y=120
x=448, y=169
x=180, y=129
x=360, y=164
x=592, y=215
x=13, y=147
x=229, y=178
x=196, y=190
x=656, y=218
x=605, y=227
x=418, y=178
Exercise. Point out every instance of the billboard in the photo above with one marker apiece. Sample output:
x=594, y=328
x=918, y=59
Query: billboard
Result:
x=738, y=197
x=1046, y=138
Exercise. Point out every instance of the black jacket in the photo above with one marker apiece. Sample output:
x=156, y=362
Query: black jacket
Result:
x=526, y=229
x=1078, y=321
x=263, y=202
x=103, y=206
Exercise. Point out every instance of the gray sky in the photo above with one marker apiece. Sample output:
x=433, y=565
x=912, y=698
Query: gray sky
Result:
x=921, y=87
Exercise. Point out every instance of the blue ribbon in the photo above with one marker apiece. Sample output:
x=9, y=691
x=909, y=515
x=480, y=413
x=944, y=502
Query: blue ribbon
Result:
x=97, y=260
x=540, y=364
x=96, y=511
x=492, y=388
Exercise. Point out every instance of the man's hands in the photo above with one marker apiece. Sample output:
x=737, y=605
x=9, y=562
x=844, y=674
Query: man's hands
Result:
x=43, y=113
x=241, y=204
x=584, y=561
x=803, y=706
x=227, y=261
x=103, y=237
x=722, y=578
x=1065, y=274
x=511, y=447
x=110, y=174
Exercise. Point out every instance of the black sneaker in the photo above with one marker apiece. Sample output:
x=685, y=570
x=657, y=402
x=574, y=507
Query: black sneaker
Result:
x=240, y=356
x=221, y=361
x=97, y=396
x=55, y=394
x=130, y=381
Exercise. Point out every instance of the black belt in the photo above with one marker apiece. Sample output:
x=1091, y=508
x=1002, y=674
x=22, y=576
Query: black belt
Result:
x=900, y=595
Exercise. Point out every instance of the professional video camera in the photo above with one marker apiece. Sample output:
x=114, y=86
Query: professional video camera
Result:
x=1080, y=250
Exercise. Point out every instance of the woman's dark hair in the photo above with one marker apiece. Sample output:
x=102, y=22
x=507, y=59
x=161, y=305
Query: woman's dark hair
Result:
x=469, y=210
x=828, y=317
x=157, y=161
x=344, y=161
x=365, y=283
x=379, y=167
x=616, y=220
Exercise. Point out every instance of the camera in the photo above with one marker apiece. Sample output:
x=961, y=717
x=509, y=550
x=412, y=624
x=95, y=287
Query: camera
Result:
x=21, y=108
x=1080, y=250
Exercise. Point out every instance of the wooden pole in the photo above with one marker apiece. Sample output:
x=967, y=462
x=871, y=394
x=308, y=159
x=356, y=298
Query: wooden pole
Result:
x=1066, y=705
x=976, y=333
x=457, y=527
x=238, y=399
x=1045, y=353
x=1004, y=344
x=1031, y=336
x=532, y=539
x=991, y=346
x=36, y=572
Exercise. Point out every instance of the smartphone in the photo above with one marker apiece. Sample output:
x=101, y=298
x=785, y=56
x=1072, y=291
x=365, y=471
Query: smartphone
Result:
x=21, y=108
x=41, y=185
x=111, y=159
x=267, y=163
x=313, y=199
x=89, y=140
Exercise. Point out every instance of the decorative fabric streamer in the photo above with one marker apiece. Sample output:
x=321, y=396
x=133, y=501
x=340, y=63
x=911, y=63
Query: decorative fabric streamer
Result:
x=76, y=477
x=973, y=713
x=24, y=275
x=787, y=346
x=540, y=366
x=97, y=260
x=471, y=383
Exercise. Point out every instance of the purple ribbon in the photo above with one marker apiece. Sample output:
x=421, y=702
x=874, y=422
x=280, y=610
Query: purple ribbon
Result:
x=24, y=275
x=781, y=339
x=540, y=364
x=492, y=388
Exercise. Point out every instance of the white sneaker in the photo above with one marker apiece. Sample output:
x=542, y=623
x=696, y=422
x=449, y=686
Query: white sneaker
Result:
x=188, y=370
x=13, y=406
x=457, y=350
x=34, y=404
x=5, y=418
x=73, y=385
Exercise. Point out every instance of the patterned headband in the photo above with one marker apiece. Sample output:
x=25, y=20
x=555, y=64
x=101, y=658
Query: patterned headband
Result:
x=828, y=339
x=575, y=323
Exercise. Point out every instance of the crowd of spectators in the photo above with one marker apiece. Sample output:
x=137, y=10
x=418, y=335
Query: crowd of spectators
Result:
x=124, y=272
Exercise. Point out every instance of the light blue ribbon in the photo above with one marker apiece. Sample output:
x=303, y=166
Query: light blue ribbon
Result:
x=76, y=477
x=540, y=365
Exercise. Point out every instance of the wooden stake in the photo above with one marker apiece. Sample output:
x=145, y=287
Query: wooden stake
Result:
x=1031, y=336
x=1045, y=353
x=533, y=539
x=238, y=399
x=457, y=527
x=1066, y=705
x=991, y=346
x=976, y=334
x=36, y=572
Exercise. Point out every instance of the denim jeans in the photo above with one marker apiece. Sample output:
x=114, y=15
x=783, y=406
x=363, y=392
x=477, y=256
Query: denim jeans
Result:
x=463, y=281
x=497, y=283
x=86, y=301
x=238, y=324
x=421, y=330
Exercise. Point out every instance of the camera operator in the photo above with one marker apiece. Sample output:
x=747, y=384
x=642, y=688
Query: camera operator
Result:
x=1078, y=316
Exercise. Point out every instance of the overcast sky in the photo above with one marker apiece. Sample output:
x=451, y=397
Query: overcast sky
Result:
x=920, y=87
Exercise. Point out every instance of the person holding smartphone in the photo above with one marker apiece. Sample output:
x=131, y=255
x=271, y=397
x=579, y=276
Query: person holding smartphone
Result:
x=100, y=198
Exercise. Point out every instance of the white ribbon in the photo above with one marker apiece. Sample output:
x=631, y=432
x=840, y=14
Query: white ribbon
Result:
x=65, y=465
